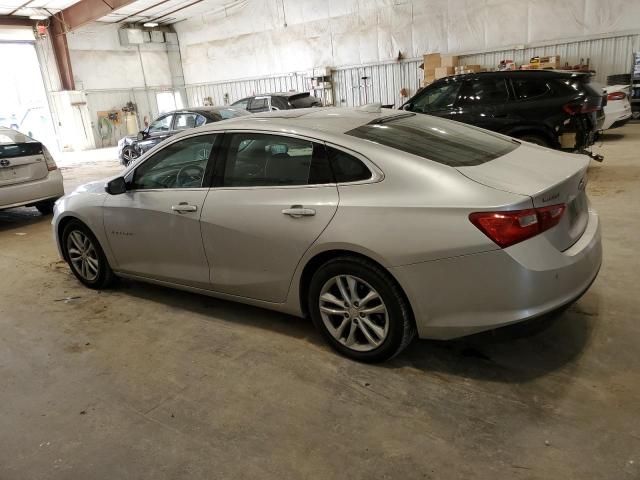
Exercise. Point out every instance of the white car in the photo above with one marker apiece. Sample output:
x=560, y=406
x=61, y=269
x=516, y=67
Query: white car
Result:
x=28, y=174
x=618, y=108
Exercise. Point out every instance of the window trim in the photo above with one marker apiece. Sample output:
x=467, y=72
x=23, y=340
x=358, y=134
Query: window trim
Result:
x=506, y=83
x=161, y=132
x=547, y=82
x=207, y=181
x=221, y=161
x=377, y=175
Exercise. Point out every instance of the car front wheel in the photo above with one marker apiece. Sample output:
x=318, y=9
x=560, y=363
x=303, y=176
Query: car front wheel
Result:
x=360, y=310
x=129, y=154
x=85, y=256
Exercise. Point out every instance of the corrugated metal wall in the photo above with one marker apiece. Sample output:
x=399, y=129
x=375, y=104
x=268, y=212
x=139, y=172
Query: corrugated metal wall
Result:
x=385, y=80
x=607, y=56
x=224, y=93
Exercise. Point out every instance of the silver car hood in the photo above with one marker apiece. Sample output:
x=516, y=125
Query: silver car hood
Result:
x=529, y=170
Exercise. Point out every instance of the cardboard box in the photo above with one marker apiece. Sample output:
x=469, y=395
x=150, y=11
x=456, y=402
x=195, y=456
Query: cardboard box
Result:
x=432, y=61
x=442, y=72
x=449, y=61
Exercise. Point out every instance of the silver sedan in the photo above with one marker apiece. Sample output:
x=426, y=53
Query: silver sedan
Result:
x=379, y=225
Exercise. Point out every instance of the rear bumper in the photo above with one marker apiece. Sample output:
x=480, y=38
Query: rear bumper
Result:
x=620, y=122
x=464, y=295
x=48, y=188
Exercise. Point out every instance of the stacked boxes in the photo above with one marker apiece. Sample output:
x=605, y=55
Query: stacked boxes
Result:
x=459, y=70
x=438, y=66
x=542, y=63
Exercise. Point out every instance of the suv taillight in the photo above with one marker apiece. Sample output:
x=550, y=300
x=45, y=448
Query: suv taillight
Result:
x=51, y=163
x=616, y=96
x=509, y=227
x=576, y=108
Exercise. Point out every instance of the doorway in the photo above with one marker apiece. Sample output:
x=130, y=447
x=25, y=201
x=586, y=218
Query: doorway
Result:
x=23, y=100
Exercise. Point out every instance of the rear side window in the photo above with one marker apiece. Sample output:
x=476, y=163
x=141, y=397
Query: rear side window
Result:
x=241, y=103
x=483, y=91
x=256, y=159
x=258, y=105
x=347, y=168
x=304, y=101
x=526, y=89
x=449, y=143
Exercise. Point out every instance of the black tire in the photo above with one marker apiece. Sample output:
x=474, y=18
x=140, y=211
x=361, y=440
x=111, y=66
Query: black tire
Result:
x=46, y=207
x=104, y=276
x=401, y=325
x=535, y=139
x=129, y=154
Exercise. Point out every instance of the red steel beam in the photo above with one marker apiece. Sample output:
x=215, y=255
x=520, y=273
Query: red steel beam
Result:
x=11, y=21
x=78, y=14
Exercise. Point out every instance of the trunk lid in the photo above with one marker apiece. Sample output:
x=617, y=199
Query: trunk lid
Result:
x=549, y=178
x=21, y=162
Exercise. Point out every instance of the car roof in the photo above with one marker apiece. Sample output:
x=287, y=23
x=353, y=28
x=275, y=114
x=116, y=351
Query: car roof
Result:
x=306, y=121
x=213, y=109
x=518, y=74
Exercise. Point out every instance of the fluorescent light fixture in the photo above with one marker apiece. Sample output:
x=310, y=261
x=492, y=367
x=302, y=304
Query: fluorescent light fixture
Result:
x=38, y=17
x=150, y=24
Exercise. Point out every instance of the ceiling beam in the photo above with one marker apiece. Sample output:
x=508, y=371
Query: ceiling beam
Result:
x=13, y=21
x=143, y=10
x=75, y=16
x=20, y=7
x=87, y=11
x=174, y=11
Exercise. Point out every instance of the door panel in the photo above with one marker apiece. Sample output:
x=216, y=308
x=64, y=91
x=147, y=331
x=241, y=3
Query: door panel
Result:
x=254, y=247
x=154, y=228
x=149, y=238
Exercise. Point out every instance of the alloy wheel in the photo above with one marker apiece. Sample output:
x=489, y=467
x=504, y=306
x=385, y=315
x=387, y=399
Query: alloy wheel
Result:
x=354, y=313
x=83, y=255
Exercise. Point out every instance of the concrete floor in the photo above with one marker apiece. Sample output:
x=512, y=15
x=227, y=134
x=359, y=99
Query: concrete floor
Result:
x=144, y=382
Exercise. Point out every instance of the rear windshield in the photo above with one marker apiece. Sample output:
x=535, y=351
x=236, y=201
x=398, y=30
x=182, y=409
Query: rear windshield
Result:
x=8, y=136
x=304, y=102
x=15, y=144
x=433, y=138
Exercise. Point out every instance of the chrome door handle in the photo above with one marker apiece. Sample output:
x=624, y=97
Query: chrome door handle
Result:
x=297, y=211
x=184, y=207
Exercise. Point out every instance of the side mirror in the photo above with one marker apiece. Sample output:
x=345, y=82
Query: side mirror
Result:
x=116, y=186
x=141, y=135
x=407, y=106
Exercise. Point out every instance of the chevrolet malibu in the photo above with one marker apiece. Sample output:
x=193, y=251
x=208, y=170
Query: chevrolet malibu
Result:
x=379, y=225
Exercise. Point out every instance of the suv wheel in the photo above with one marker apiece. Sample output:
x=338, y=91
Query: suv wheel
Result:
x=85, y=256
x=360, y=310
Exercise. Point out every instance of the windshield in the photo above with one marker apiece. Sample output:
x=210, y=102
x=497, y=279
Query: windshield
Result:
x=443, y=141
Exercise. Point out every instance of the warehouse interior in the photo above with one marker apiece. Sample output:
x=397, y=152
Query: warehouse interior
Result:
x=141, y=380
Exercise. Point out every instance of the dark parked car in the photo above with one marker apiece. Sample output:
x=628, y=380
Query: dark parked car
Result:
x=131, y=147
x=562, y=110
x=277, y=101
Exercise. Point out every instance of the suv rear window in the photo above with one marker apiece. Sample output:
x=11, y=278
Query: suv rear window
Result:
x=526, y=89
x=442, y=141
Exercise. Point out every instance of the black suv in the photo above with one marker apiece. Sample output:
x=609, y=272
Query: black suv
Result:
x=131, y=147
x=555, y=109
x=277, y=101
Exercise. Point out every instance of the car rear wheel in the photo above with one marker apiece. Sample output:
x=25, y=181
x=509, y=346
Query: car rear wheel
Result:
x=45, y=208
x=85, y=256
x=360, y=310
x=535, y=139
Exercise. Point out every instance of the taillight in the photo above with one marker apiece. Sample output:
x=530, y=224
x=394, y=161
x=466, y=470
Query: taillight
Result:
x=51, y=163
x=509, y=227
x=616, y=96
x=576, y=108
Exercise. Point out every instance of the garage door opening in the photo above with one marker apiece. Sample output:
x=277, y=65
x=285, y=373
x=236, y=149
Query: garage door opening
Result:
x=23, y=100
